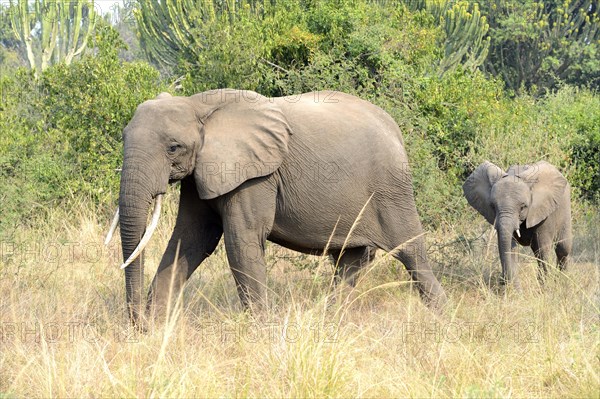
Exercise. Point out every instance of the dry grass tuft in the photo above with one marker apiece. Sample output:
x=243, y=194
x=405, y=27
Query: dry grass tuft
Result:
x=64, y=333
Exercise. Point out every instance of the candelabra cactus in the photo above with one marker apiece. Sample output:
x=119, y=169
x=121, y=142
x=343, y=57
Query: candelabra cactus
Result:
x=61, y=27
x=170, y=29
x=164, y=28
x=466, y=43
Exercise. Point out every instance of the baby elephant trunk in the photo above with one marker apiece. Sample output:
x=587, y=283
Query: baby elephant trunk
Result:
x=506, y=227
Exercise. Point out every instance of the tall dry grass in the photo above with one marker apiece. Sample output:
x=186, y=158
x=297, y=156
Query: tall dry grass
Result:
x=64, y=333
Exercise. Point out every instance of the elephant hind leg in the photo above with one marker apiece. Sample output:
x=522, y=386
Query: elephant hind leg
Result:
x=412, y=254
x=542, y=251
x=563, y=249
x=350, y=262
x=347, y=266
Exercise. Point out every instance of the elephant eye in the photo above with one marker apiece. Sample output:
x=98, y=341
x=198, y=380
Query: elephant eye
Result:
x=173, y=148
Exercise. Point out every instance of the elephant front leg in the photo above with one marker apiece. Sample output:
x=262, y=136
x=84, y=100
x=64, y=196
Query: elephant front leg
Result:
x=247, y=214
x=195, y=236
x=185, y=252
x=247, y=263
x=541, y=249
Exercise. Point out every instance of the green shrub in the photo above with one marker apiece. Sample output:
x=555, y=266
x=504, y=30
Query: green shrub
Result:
x=87, y=105
x=575, y=113
x=61, y=134
x=454, y=108
x=585, y=154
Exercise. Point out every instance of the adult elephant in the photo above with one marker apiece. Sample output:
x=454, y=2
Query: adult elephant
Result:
x=529, y=205
x=313, y=172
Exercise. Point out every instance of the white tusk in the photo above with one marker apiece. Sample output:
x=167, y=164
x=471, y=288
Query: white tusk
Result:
x=113, y=227
x=518, y=233
x=147, y=235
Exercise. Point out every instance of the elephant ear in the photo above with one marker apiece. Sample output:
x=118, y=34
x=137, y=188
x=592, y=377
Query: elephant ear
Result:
x=478, y=187
x=245, y=135
x=547, y=188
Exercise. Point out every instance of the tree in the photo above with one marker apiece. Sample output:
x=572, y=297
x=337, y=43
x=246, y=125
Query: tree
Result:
x=121, y=17
x=174, y=31
x=10, y=55
x=52, y=30
x=466, y=43
x=538, y=44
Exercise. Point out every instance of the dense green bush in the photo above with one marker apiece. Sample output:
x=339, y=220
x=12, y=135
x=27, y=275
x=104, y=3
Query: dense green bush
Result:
x=62, y=133
x=537, y=45
x=88, y=104
x=585, y=154
x=454, y=119
x=575, y=113
x=390, y=56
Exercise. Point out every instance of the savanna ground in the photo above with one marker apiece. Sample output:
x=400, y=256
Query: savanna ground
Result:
x=64, y=332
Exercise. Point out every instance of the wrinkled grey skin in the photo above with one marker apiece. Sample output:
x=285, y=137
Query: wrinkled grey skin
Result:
x=533, y=199
x=296, y=171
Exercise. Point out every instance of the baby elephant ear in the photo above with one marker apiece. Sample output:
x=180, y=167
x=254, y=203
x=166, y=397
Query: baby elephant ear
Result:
x=245, y=135
x=478, y=187
x=548, y=187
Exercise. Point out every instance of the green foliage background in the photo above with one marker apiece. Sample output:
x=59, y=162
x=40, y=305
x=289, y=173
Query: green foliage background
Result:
x=61, y=132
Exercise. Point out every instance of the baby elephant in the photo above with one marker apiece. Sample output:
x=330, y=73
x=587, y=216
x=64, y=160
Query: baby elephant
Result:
x=528, y=204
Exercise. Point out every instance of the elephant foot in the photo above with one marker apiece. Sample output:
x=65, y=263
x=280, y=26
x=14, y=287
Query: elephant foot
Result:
x=160, y=311
x=435, y=300
x=342, y=296
x=491, y=278
x=431, y=292
x=254, y=305
x=509, y=281
x=542, y=278
x=156, y=315
x=509, y=286
x=137, y=325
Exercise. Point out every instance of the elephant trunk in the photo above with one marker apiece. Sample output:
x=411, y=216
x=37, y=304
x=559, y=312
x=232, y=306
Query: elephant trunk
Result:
x=506, y=226
x=505, y=247
x=135, y=198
